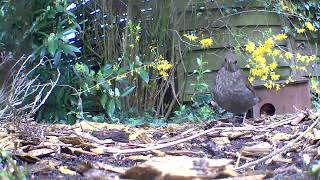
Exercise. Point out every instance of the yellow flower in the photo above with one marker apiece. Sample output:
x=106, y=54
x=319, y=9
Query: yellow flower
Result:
x=162, y=65
x=191, y=37
x=268, y=85
x=301, y=58
x=310, y=26
x=301, y=30
x=264, y=78
x=205, y=43
x=274, y=76
x=97, y=87
x=276, y=52
x=250, y=47
x=283, y=6
x=137, y=38
x=280, y=37
x=273, y=65
x=268, y=44
x=131, y=45
x=251, y=79
x=288, y=55
x=312, y=58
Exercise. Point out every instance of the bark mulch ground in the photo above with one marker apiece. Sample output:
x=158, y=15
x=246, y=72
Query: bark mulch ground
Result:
x=278, y=147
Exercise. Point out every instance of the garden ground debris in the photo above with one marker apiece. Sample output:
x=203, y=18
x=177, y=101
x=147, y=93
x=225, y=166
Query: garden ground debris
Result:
x=277, y=147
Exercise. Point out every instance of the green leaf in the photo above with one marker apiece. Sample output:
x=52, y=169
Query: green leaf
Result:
x=127, y=91
x=59, y=8
x=70, y=49
x=116, y=92
x=199, y=61
x=144, y=75
x=98, y=118
x=107, y=70
x=118, y=103
x=111, y=107
x=53, y=44
x=69, y=31
x=104, y=84
x=123, y=70
x=57, y=57
x=103, y=101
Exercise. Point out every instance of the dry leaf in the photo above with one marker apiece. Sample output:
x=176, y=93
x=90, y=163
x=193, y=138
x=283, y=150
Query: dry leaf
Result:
x=306, y=159
x=158, y=153
x=263, y=148
x=65, y=170
x=41, y=152
x=172, y=128
x=139, y=158
x=316, y=133
x=221, y=140
x=98, y=150
x=237, y=134
x=298, y=119
x=178, y=167
x=133, y=136
x=44, y=166
x=74, y=140
x=278, y=158
x=144, y=138
x=75, y=151
x=281, y=137
x=7, y=143
x=107, y=167
x=27, y=158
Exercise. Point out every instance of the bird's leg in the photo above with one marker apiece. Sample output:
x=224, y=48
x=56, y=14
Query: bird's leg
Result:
x=234, y=118
x=244, y=117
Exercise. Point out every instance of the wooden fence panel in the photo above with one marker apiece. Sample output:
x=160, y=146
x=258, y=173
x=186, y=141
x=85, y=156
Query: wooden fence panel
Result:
x=234, y=30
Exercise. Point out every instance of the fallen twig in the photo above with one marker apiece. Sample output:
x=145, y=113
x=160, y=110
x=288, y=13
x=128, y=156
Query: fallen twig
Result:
x=214, y=130
x=160, y=146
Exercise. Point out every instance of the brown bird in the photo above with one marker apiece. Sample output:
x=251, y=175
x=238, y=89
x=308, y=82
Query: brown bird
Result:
x=232, y=90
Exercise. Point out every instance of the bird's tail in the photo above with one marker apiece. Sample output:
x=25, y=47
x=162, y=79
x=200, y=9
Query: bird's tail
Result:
x=257, y=99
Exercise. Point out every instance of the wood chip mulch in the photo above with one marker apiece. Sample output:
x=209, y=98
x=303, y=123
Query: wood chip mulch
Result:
x=277, y=147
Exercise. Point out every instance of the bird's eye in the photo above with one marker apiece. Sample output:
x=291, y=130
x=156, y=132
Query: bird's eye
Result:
x=235, y=62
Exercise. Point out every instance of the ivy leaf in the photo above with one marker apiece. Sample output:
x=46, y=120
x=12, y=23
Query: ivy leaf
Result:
x=111, y=107
x=127, y=91
x=144, y=75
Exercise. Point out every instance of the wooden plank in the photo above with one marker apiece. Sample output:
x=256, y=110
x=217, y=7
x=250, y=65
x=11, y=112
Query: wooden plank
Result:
x=306, y=47
x=192, y=20
x=182, y=5
x=210, y=77
x=215, y=59
x=237, y=36
x=309, y=36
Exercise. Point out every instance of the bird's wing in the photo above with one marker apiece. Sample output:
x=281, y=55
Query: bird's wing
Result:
x=244, y=78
